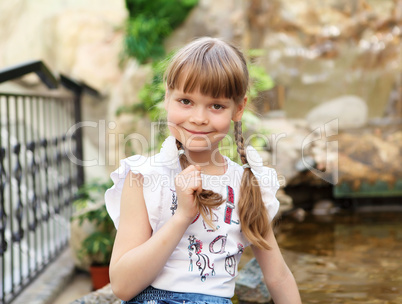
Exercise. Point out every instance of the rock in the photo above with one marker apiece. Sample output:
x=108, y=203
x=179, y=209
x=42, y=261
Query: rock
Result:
x=351, y=112
x=369, y=157
x=324, y=207
x=134, y=78
x=206, y=19
x=305, y=163
x=299, y=214
x=286, y=202
x=100, y=296
x=250, y=286
x=285, y=142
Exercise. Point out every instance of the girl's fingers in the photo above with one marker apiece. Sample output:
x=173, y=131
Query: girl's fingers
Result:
x=188, y=182
x=190, y=178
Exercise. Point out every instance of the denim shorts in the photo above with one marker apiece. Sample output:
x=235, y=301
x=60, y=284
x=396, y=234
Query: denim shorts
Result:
x=157, y=296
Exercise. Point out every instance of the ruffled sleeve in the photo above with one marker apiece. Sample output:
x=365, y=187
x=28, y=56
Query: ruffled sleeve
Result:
x=136, y=164
x=269, y=185
x=267, y=179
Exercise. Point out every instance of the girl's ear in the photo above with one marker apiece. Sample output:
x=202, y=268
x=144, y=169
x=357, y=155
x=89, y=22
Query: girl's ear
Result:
x=238, y=113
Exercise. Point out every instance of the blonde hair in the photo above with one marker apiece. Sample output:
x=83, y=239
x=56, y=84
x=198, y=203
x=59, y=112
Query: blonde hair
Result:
x=218, y=69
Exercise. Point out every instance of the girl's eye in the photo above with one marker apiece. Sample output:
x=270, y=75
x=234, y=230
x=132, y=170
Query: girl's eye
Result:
x=217, y=107
x=185, y=101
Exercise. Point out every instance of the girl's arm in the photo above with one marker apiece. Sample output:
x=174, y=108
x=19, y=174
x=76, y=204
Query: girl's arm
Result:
x=137, y=257
x=277, y=276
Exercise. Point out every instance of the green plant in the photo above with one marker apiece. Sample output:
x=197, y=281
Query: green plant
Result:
x=150, y=22
x=97, y=246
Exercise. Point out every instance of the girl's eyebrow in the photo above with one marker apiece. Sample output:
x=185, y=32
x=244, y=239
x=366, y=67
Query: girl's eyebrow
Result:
x=220, y=101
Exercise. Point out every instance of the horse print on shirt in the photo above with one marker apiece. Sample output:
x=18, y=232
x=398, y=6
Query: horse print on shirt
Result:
x=203, y=261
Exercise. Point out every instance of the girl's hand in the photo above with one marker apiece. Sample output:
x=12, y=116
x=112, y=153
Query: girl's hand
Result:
x=187, y=183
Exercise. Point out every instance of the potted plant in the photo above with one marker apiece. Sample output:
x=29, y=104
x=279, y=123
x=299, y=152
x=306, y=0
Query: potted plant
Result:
x=96, y=247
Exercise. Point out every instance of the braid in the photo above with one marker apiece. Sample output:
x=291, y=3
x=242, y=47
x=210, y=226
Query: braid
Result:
x=207, y=199
x=182, y=157
x=240, y=142
x=252, y=212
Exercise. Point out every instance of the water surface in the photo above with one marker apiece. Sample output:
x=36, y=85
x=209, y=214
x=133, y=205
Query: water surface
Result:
x=350, y=257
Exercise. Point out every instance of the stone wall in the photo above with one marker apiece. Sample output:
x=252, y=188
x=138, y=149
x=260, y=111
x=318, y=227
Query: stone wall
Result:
x=319, y=50
x=81, y=39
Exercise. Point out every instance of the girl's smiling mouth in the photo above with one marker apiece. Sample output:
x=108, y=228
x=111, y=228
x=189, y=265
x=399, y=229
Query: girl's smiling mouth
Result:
x=196, y=132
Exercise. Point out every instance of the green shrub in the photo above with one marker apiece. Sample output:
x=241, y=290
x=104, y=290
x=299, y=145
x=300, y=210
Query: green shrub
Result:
x=90, y=207
x=150, y=22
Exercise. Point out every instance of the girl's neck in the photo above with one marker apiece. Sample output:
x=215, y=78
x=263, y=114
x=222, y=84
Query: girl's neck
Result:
x=210, y=163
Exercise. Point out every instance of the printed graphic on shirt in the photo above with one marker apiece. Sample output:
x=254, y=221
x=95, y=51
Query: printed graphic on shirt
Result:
x=203, y=261
x=173, y=206
x=230, y=207
x=230, y=261
x=219, y=240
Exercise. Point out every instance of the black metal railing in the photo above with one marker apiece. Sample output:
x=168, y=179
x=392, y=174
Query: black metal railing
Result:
x=38, y=180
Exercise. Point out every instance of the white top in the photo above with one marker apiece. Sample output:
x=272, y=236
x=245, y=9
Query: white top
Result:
x=205, y=260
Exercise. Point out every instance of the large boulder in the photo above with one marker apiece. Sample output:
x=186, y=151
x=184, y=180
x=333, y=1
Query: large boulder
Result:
x=250, y=286
x=351, y=112
x=285, y=142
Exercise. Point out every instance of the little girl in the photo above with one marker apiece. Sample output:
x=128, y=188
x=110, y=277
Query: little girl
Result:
x=185, y=215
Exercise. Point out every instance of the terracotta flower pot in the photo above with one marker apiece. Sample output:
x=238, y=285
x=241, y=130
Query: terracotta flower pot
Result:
x=100, y=276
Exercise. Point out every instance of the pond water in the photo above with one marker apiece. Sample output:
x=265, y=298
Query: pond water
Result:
x=349, y=257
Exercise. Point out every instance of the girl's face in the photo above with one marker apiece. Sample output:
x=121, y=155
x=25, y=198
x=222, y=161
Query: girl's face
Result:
x=198, y=121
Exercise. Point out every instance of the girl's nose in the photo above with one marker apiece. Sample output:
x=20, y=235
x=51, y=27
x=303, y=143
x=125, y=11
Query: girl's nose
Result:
x=199, y=117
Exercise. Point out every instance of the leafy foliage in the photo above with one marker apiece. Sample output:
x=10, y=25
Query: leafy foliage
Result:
x=261, y=81
x=90, y=207
x=99, y=246
x=91, y=193
x=150, y=22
